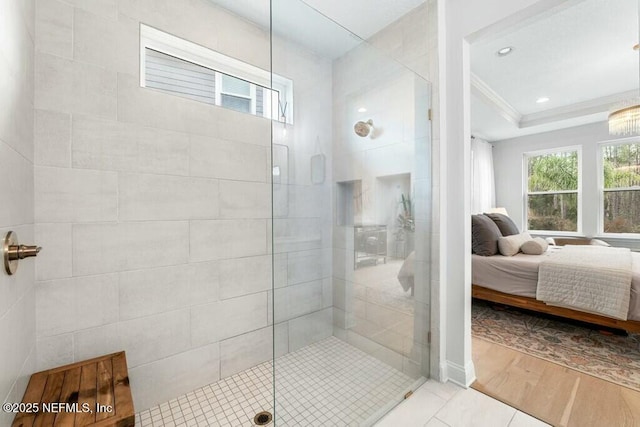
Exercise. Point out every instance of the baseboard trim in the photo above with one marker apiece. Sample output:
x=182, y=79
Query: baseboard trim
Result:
x=461, y=375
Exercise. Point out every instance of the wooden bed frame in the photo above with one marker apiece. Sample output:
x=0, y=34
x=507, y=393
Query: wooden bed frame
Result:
x=532, y=304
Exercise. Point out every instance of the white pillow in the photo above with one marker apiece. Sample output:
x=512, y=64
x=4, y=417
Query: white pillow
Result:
x=537, y=246
x=510, y=245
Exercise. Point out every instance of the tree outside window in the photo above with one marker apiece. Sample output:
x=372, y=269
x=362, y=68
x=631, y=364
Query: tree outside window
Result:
x=621, y=192
x=552, y=191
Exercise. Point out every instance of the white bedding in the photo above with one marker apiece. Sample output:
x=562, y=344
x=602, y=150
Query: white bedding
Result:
x=518, y=275
x=589, y=278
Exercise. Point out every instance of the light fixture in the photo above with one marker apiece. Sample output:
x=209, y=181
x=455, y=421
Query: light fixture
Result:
x=504, y=51
x=362, y=110
x=624, y=117
x=542, y=100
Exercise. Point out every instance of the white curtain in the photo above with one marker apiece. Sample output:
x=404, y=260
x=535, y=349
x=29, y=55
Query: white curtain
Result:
x=483, y=187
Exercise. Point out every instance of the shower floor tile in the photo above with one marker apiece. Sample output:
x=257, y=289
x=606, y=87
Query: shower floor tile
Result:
x=326, y=383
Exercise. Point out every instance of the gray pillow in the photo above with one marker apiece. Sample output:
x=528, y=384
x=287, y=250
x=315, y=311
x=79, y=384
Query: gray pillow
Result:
x=505, y=224
x=484, y=235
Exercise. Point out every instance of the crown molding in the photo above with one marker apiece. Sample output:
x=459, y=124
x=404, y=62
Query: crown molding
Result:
x=493, y=99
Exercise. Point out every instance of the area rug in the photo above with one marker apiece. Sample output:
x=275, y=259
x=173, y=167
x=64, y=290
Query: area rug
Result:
x=610, y=357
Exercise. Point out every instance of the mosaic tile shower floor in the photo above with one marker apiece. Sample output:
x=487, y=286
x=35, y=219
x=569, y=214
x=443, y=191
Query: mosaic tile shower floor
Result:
x=328, y=383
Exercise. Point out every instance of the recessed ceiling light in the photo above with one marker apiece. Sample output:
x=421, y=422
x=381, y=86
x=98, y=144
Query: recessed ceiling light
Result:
x=542, y=100
x=504, y=51
x=362, y=110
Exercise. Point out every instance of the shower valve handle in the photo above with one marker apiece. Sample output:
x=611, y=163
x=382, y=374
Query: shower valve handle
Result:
x=14, y=252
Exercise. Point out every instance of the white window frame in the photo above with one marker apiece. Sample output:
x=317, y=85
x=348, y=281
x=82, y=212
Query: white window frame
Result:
x=526, y=193
x=602, y=190
x=252, y=96
x=169, y=44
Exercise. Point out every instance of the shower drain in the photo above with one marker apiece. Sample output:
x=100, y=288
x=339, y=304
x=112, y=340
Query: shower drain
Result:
x=262, y=418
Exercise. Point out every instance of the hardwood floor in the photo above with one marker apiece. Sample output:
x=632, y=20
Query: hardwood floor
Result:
x=557, y=395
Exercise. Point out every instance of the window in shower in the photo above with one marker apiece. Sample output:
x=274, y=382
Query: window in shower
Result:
x=179, y=67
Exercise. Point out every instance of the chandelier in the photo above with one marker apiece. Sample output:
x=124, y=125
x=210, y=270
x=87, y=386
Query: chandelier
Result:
x=624, y=119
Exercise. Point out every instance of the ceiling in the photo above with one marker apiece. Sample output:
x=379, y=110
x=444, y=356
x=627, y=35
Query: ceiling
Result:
x=323, y=32
x=580, y=56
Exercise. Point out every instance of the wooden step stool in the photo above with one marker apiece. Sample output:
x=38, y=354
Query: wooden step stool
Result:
x=94, y=392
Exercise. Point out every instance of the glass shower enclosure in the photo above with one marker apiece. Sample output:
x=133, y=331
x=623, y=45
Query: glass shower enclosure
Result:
x=263, y=232
x=351, y=187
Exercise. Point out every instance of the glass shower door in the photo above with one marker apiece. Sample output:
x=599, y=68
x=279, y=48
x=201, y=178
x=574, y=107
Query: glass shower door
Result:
x=351, y=170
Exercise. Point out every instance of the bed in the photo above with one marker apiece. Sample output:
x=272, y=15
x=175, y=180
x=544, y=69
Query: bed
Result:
x=513, y=281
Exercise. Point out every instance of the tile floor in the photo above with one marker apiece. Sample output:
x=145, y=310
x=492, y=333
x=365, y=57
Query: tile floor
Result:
x=331, y=383
x=447, y=405
x=327, y=383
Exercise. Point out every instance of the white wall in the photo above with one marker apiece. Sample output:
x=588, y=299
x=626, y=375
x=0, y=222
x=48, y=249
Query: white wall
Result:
x=459, y=22
x=17, y=299
x=154, y=210
x=508, y=164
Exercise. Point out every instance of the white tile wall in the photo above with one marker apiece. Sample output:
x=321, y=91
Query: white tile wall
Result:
x=205, y=319
x=74, y=87
x=244, y=200
x=17, y=295
x=204, y=282
x=95, y=39
x=210, y=240
x=55, y=351
x=243, y=276
x=167, y=378
x=152, y=291
x=16, y=171
x=73, y=195
x=54, y=28
x=305, y=266
x=246, y=350
x=104, y=248
x=52, y=138
x=55, y=262
x=106, y=8
x=161, y=197
x=16, y=130
x=66, y=305
x=152, y=338
x=218, y=158
x=310, y=328
x=242, y=314
x=111, y=145
x=94, y=342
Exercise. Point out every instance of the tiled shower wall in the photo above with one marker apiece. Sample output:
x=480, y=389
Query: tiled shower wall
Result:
x=154, y=209
x=17, y=299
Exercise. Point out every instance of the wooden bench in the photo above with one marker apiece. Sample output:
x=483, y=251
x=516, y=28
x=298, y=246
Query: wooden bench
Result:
x=94, y=392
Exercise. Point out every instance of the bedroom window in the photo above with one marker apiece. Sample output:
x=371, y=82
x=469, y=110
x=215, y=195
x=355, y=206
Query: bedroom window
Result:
x=179, y=67
x=552, y=190
x=620, y=185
